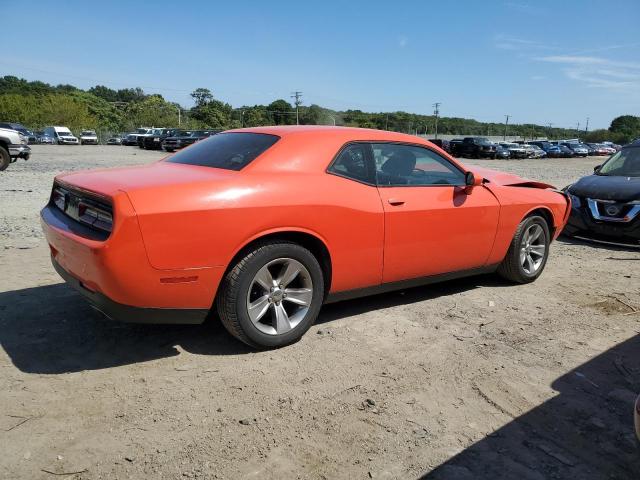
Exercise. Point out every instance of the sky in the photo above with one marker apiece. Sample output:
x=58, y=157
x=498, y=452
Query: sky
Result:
x=538, y=61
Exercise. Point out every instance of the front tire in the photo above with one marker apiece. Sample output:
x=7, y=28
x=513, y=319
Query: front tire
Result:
x=272, y=296
x=5, y=159
x=528, y=252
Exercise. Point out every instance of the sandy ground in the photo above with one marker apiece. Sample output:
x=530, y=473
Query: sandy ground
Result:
x=469, y=379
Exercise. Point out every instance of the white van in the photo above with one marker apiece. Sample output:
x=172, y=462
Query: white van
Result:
x=61, y=135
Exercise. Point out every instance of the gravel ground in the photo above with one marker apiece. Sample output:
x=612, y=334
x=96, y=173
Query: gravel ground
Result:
x=470, y=379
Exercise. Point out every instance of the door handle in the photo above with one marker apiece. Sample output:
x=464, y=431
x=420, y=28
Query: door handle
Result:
x=395, y=201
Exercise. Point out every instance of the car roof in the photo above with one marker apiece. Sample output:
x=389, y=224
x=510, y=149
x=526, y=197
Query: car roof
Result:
x=328, y=131
x=311, y=147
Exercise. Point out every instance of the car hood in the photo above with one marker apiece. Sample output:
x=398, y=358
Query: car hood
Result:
x=604, y=187
x=507, y=179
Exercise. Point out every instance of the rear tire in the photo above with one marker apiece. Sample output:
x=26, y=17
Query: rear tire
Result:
x=5, y=159
x=528, y=252
x=284, y=308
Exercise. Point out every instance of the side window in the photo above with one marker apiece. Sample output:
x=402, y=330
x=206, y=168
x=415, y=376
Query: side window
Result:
x=413, y=165
x=353, y=162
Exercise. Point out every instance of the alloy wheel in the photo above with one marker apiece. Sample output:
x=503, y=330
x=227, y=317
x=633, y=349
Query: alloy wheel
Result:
x=279, y=296
x=532, y=249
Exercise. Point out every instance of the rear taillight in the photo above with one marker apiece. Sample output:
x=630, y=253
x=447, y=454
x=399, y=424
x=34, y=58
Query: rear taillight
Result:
x=59, y=198
x=95, y=216
x=91, y=211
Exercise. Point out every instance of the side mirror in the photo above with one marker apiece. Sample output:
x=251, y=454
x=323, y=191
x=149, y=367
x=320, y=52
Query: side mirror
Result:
x=597, y=168
x=471, y=180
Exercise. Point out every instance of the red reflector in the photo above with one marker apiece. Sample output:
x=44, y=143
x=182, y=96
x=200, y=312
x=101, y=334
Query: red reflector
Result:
x=179, y=279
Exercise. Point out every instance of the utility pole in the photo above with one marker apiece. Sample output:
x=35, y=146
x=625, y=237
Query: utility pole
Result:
x=242, y=118
x=506, y=124
x=297, y=102
x=586, y=128
x=578, y=129
x=436, y=112
x=179, y=116
x=549, y=136
x=386, y=123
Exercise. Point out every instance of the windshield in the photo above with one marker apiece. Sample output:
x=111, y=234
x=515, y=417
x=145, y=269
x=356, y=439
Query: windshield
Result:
x=88, y=132
x=65, y=133
x=625, y=163
x=231, y=151
x=142, y=130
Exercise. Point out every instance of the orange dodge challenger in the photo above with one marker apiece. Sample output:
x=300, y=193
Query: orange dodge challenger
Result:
x=264, y=225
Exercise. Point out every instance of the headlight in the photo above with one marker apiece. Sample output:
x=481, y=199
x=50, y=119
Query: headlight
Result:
x=23, y=140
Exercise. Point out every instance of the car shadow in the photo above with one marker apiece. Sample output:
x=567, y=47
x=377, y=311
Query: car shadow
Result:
x=598, y=245
x=52, y=329
x=584, y=432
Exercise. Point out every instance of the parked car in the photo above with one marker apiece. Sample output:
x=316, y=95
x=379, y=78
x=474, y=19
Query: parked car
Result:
x=46, y=139
x=30, y=136
x=535, y=151
x=606, y=205
x=517, y=150
x=61, y=135
x=186, y=138
x=598, y=149
x=116, y=140
x=88, y=137
x=443, y=144
x=13, y=145
x=154, y=141
x=132, y=138
x=242, y=221
x=578, y=149
x=552, y=151
x=502, y=152
x=150, y=133
x=565, y=152
x=474, y=147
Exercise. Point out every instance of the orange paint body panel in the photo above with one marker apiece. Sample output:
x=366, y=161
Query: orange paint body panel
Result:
x=177, y=227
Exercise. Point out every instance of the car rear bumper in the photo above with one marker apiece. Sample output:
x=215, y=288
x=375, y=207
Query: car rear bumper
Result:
x=20, y=151
x=127, y=313
x=115, y=275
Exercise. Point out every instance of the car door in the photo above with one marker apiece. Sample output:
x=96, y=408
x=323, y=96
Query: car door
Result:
x=434, y=223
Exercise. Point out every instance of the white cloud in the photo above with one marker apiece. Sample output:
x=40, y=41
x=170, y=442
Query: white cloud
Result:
x=598, y=72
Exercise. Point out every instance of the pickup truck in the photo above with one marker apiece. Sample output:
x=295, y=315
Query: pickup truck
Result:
x=473, y=147
x=186, y=138
x=13, y=145
x=154, y=142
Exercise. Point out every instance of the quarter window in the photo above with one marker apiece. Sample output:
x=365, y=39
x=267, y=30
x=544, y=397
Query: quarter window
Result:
x=398, y=164
x=353, y=162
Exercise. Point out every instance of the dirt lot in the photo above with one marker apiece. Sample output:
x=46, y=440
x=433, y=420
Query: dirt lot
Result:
x=470, y=379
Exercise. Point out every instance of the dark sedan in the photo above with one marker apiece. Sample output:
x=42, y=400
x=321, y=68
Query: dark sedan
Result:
x=606, y=205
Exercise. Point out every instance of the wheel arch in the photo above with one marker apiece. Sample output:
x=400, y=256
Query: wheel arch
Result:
x=545, y=213
x=305, y=238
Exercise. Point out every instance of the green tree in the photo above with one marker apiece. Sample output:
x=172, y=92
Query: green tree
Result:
x=281, y=113
x=626, y=126
x=201, y=96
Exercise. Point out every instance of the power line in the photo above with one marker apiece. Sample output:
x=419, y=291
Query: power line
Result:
x=297, y=102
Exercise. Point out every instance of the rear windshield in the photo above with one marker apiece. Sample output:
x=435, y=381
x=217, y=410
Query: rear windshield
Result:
x=231, y=151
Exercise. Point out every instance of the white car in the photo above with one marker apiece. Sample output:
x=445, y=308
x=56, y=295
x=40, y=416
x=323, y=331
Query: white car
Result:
x=62, y=135
x=88, y=137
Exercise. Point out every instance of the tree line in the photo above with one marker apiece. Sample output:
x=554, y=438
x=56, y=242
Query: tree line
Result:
x=38, y=104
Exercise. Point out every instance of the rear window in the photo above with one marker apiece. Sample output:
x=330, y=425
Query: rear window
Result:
x=231, y=151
